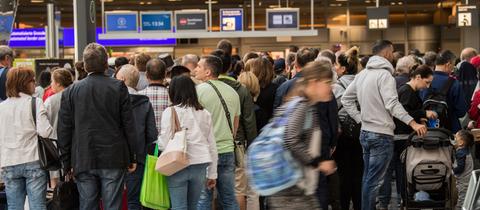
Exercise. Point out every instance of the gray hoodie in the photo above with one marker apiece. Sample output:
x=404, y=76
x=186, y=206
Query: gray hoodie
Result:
x=375, y=90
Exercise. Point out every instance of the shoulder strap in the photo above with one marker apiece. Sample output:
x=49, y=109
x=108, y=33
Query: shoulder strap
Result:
x=175, y=122
x=225, y=108
x=34, y=110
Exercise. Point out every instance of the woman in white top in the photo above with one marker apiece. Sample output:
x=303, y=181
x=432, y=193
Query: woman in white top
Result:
x=18, y=136
x=186, y=185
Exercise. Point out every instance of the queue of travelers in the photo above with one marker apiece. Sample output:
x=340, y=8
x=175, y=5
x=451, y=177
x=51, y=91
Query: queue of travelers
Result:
x=353, y=117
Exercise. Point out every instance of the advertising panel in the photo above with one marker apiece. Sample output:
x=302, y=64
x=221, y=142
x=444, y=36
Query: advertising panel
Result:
x=121, y=21
x=231, y=19
x=156, y=21
x=283, y=19
x=191, y=20
x=48, y=64
x=6, y=25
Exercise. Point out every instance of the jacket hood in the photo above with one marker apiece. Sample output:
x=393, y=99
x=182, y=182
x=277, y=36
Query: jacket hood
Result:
x=379, y=63
x=232, y=83
x=138, y=100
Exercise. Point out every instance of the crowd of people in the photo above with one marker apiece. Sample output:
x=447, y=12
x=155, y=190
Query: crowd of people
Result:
x=107, y=117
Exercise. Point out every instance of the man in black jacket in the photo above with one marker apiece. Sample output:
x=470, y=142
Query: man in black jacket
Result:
x=96, y=133
x=146, y=130
x=6, y=61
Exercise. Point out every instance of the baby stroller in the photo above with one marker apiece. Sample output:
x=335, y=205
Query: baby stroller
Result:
x=428, y=170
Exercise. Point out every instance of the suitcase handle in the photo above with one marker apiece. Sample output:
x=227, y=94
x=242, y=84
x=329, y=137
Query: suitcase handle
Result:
x=430, y=171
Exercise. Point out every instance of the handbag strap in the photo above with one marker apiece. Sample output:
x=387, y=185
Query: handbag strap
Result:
x=225, y=108
x=175, y=122
x=34, y=110
x=155, y=152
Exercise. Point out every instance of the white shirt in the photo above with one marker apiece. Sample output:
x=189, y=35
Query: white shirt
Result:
x=201, y=144
x=18, y=135
x=52, y=106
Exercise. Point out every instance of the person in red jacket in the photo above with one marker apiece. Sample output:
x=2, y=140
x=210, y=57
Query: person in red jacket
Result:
x=474, y=111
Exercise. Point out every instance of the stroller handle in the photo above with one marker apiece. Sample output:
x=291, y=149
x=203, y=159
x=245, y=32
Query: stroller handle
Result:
x=443, y=130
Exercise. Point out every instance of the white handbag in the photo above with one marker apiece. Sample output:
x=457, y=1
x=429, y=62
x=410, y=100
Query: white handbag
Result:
x=174, y=158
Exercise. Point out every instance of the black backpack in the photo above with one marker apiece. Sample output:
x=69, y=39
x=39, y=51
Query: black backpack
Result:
x=437, y=101
x=350, y=128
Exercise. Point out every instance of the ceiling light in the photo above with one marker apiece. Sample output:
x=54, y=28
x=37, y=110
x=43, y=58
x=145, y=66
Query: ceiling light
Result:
x=274, y=6
x=149, y=3
x=107, y=0
x=37, y=1
x=400, y=3
x=392, y=3
x=142, y=3
x=342, y=0
x=367, y=1
x=213, y=2
x=174, y=0
x=335, y=5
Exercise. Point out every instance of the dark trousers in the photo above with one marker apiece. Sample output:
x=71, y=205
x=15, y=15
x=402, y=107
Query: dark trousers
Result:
x=105, y=183
x=349, y=158
x=134, y=183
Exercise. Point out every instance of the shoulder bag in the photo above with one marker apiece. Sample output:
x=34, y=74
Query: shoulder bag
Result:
x=47, y=151
x=174, y=158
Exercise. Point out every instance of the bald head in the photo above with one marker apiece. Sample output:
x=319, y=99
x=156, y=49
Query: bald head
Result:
x=468, y=53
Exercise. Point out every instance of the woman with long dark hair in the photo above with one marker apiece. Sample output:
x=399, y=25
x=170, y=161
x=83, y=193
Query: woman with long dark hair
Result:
x=186, y=185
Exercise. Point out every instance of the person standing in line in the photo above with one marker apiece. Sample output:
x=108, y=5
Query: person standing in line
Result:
x=146, y=130
x=140, y=61
x=157, y=91
x=6, y=61
x=61, y=79
x=19, y=160
x=97, y=133
x=247, y=130
x=280, y=71
x=374, y=89
x=408, y=95
x=186, y=185
x=348, y=153
x=226, y=117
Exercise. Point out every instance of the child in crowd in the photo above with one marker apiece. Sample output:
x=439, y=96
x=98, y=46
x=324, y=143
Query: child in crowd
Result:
x=463, y=166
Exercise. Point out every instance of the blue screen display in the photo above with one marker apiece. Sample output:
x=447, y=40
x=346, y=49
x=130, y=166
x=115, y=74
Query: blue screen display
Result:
x=156, y=22
x=231, y=19
x=121, y=22
x=35, y=38
x=6, y=23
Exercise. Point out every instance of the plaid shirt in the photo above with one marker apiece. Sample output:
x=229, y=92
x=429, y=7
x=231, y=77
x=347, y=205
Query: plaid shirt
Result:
x=158, y=95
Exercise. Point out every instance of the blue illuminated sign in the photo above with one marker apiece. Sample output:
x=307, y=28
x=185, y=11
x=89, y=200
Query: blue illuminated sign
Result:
x=122, y=22
x=6, y=23
x=231, y=19
x=35, y=38
x=156, y=21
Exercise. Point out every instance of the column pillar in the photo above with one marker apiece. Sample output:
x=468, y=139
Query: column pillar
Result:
x=84, y=18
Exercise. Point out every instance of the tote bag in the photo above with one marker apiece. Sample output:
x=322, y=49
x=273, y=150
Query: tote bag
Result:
x=154, y=192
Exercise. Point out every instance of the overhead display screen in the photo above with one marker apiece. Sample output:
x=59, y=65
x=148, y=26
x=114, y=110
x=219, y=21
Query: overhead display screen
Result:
x=121, y=21
x=156, y=21
x=231, y=19
x=283, y=19
x=191, y=20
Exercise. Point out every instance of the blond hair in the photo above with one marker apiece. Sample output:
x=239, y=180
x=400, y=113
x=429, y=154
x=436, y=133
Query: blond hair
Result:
x=130, y=75
x=250, y=81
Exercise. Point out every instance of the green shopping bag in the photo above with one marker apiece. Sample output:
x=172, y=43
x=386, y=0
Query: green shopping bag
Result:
x=154, y=193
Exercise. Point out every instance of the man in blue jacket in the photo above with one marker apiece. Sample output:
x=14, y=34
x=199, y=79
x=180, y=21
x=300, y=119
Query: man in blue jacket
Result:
x=457, y=106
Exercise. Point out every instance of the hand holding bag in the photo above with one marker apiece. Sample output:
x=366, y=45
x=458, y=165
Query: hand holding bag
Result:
x=47, y=151
x=174, y=158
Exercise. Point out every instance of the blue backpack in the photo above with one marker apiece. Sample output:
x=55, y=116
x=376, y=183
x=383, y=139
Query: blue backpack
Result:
x=270, y=167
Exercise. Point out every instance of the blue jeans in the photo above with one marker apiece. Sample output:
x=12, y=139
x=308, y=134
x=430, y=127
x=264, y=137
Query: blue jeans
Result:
x=225, y=185
x=105, y=183
x=25, y=179
x=397, y=167
x=134, y=183
x=186, y=186
x=377, y=153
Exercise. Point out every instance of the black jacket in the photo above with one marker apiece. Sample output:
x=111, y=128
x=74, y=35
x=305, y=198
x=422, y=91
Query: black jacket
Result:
x=412, y=103
x=467, y=77
x=3, y=81
x=145, y=124
x=96, y=128
x=264, y=105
